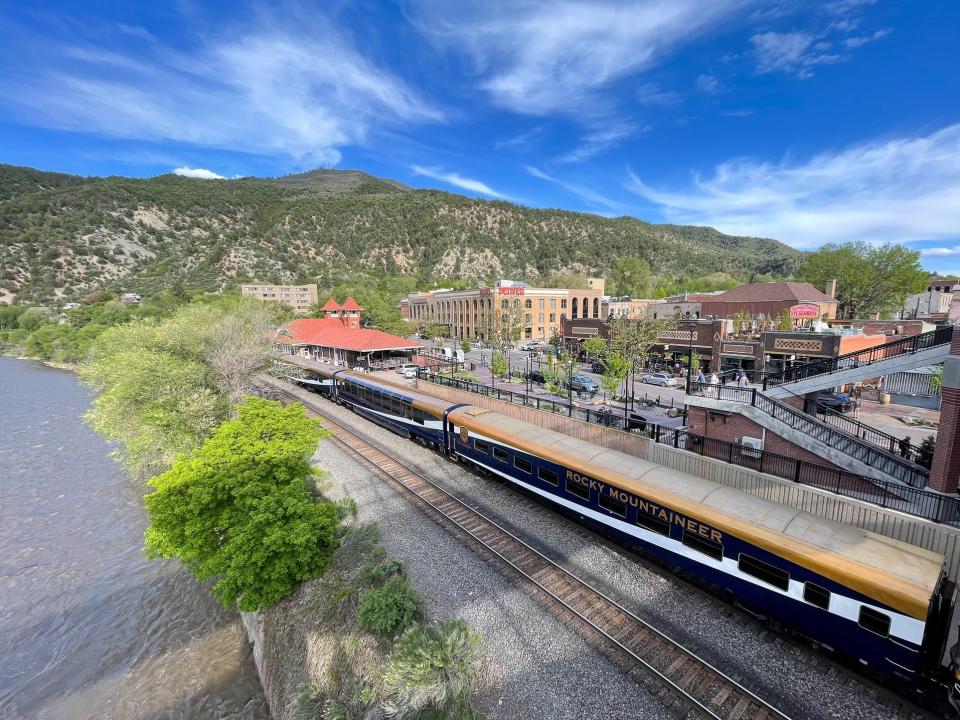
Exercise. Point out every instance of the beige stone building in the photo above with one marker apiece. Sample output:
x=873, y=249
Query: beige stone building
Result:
x=467, y=312
x=300, y=297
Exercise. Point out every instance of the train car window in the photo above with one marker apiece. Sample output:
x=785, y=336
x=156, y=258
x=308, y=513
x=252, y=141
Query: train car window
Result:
x=548, y=476
x=482, y=446
x=816, y=595
x=612, y=505
x=875, y=622
x=770, y=574
x=523, y=465
x=500, y=454
x=702, y=544
x=578, y=490
x=653, y=524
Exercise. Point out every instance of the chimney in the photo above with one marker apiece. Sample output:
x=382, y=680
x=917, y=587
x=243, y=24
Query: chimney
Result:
x=831, y=288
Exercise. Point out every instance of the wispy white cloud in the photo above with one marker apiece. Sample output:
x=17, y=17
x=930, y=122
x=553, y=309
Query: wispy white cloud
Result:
x=288, y=83
x=855, y=42
x=708, y=84
x=591, y=197
x=794, y=53
x=543, y=56
x=941, y=251
x=651, y=94
x=200, y=173
x=457, y=180
x=901, y=190
x=531, y=137
x=744, y=112
x=600, y=141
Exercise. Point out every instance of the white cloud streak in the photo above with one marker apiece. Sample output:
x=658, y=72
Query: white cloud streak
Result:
x=591, y=197
x=941, y=251
x=540, y=57
x=457, y=180
x=600, y=141
x=900, y=190
x=290, y=84
x=200, y=173
x=792, y=53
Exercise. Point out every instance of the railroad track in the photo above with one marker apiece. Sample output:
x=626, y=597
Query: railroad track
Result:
x=682, y=680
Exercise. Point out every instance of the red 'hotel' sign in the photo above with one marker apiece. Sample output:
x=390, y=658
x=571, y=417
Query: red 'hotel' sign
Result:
x=805, y=311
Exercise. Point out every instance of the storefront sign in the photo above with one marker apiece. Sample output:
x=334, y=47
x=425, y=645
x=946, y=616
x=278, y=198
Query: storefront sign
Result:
x=580, y=330
x=510, y=291
x=805, y=310
x=738, y=349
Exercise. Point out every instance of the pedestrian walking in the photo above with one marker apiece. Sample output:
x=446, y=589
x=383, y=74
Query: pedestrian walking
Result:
x=741, y=378
x=701, y=378
x=714, y=385
x=905, y=447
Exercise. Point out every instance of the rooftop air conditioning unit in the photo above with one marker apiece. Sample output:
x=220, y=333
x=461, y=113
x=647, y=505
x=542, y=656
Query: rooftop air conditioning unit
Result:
x=751, y=446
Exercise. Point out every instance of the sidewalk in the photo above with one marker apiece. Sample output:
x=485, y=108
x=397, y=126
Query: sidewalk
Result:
x=887, y=418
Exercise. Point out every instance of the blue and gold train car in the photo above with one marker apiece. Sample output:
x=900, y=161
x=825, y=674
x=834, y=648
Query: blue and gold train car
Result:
x=878, y=600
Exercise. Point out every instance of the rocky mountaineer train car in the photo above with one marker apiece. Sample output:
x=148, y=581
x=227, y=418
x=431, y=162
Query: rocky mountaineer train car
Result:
x=875, y=599
x=396, y=407
x=883, y=602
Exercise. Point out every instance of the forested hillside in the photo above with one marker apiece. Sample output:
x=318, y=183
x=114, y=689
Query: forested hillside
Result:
x=63, y=236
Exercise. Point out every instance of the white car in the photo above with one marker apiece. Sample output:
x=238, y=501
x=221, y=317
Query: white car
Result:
x=409, y=367
x=661, y=379
x=410, y=373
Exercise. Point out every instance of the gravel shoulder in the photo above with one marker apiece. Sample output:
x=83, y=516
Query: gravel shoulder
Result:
x=538, y=668
x=528, y=648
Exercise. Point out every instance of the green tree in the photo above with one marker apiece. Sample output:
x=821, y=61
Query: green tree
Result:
x=631, y=276
x=615, y=369
x=33, y=317
x=237, y=510
x=566, y=280
x=595, y=347
x=869, y=279
x=498, y=364
x=465, y=345
x=784, y=321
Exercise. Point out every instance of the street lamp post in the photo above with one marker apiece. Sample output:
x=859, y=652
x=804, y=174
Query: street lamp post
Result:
x=689, y=360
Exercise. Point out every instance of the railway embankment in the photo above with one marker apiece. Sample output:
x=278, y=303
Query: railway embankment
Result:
x=803, y=682
x=535, y=666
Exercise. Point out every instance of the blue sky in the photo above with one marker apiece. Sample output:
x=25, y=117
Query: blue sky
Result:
x=807, y=122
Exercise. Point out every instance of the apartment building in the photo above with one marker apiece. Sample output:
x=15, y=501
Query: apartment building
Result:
x=468, y=313
x=300, y=297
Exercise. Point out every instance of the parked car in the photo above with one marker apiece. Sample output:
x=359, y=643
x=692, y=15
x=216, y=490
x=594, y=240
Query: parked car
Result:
x=661, y=379
x=597, y=366
x=533, y=346
x=410, y=373
x=838, y=402
x=536, y=376
x=404, y=369
x=581, y=383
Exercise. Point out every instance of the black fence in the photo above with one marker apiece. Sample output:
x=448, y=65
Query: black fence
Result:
x=914, y=501
x=854, y=427
x=889, y=463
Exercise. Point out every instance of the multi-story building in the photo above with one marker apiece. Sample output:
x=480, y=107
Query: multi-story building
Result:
x=300, y=297
x=469, y=313
x=930, y=304
x=625, y=307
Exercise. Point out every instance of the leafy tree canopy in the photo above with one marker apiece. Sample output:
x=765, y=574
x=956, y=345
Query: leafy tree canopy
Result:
x=631, y=276
x=565, y=280
x=237, y=510
x=869, y=279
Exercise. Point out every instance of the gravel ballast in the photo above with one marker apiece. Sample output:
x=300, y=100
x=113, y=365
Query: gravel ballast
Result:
x=538, y=667
x=803, y=682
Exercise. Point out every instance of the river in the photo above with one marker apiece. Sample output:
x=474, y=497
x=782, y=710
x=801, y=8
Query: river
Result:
x=88, y=627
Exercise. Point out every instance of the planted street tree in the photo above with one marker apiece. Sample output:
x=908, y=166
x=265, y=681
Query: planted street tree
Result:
x=239, y=509
x=594, y=347
x=634, y=338
x=615, y=370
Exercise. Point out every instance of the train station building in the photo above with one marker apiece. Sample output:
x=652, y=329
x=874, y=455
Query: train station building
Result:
x=338, y=339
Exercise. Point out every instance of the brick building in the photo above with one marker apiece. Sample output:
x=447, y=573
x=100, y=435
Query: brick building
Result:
x=300, y=297
x=468, y=313
x=945, y=471
x=338, y=339
x=803, y=301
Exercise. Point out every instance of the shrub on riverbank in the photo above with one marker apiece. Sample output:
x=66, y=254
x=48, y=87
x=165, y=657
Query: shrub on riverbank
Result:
x=237, y=510
x=358, y=672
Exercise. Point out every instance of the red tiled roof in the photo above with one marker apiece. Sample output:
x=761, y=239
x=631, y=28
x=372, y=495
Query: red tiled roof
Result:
x=331, y=304
x=351, y=304
x=331, y=332
x=796, y=292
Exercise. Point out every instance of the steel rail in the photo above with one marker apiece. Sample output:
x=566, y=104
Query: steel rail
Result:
x=560, y=573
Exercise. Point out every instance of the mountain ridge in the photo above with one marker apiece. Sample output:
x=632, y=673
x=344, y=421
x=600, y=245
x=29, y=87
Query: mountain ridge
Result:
x=63, y=236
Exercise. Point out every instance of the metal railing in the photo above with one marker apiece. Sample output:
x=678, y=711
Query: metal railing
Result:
x=889, y=463
x=868, y=356
x=872, y=435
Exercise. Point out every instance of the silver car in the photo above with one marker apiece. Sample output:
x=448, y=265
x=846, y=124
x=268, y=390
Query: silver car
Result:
x=661, y=379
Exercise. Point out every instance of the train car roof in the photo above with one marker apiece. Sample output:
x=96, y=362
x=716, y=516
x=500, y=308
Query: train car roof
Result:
x=902, y=576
